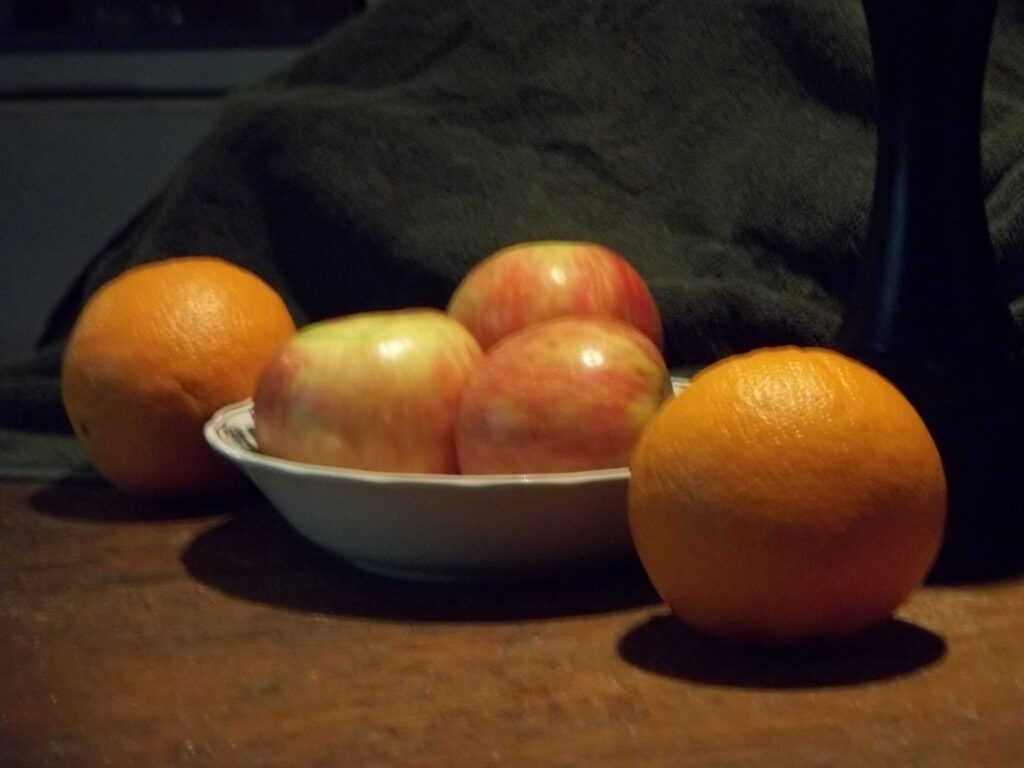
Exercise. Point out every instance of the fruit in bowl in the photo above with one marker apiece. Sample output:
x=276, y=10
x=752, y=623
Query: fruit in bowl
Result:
x=527, y=522
x=362, y=383
x=565, y=395
x=528, y=283
x=374, y=391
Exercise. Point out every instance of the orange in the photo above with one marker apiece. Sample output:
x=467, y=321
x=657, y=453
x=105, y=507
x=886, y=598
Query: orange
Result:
x=788, y=494
x=153, y=354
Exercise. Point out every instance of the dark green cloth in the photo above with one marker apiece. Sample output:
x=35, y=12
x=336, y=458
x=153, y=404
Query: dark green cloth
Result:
x=725, y=148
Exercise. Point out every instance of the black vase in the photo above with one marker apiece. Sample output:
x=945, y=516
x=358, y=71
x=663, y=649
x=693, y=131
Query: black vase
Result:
x=927, y=310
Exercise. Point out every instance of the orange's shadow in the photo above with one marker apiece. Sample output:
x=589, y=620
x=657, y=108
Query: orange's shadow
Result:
x=663, y=645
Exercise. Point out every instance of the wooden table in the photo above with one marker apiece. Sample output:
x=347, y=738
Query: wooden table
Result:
x=210, y=635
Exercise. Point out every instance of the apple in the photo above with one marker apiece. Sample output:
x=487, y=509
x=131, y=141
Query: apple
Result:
x=531, y=282
x=375, y=391
x=559, y=396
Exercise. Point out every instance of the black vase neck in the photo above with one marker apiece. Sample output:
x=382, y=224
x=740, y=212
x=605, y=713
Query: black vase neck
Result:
x=929, y=277
x=926, y=310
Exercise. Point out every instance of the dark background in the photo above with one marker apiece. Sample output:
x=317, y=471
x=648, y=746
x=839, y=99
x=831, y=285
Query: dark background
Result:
x=142, y=23
x=99, y=101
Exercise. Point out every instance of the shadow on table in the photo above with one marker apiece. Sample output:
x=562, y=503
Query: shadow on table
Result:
x=260, y=558
x=100, y=502
x=665, y=646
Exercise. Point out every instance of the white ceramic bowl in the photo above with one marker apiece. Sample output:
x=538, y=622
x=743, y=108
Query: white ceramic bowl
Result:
x=439, y=527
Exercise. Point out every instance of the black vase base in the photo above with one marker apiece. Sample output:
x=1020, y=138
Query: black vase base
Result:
x=973, y=405
x=984, y=461
x=980, y=555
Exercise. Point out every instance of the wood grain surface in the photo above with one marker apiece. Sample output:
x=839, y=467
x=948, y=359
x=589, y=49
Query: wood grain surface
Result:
x=208, y=634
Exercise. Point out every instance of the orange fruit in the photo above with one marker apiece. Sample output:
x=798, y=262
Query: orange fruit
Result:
x=153, y=354
x=788, y=494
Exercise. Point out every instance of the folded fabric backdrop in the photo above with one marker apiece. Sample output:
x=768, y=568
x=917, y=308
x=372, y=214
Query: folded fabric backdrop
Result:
x=726, y=149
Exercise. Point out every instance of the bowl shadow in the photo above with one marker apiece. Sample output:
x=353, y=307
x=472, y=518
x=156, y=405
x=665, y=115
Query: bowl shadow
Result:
x=260, y=558
x=665, y=646
x=99, y=502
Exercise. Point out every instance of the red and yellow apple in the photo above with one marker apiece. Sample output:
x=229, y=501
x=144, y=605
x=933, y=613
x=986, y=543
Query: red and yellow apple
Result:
x=375, y=390
x=532, y=282
x=563, y=395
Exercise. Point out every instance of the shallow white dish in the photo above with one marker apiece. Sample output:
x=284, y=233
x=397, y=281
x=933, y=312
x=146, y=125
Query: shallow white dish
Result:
x=439, y=527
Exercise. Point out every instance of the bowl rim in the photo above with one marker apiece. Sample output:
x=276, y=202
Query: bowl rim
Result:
x=231, y=414
x=242, y=410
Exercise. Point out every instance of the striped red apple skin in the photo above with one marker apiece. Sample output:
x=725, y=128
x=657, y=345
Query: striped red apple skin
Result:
x=564, y=395
x=532, y=282
x=374, y=391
